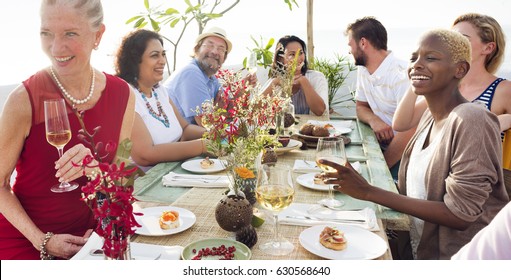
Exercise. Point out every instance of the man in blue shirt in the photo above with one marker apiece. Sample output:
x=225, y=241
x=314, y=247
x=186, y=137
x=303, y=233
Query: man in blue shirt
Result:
x=196, y=82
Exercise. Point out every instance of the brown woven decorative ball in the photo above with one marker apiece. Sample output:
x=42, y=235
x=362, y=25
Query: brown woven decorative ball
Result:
x=233, y=213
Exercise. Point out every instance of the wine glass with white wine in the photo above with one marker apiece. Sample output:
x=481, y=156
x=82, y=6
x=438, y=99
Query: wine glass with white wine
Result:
x=275, y=192
x=58, y=134
x=252, y=63
x=331, y=149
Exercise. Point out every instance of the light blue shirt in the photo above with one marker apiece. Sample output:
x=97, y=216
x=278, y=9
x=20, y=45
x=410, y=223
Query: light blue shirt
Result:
x=189, y=88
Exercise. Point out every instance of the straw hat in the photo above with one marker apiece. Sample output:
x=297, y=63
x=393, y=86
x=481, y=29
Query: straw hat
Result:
x=217, y=32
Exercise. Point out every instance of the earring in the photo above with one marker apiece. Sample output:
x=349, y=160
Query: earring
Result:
x=96, y=46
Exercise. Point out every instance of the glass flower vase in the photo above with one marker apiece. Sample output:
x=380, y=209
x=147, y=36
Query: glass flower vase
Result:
x=117, y=249
x=247, y=186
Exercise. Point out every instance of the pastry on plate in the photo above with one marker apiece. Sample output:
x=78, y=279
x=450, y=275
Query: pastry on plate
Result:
x=169, y=219
x=206, y=163
x=333, y=238
x=319, y=179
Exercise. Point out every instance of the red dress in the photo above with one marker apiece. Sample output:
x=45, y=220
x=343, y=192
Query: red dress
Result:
x=57, y=212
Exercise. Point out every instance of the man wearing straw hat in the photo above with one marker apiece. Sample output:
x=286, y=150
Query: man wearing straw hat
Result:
x=196, y=82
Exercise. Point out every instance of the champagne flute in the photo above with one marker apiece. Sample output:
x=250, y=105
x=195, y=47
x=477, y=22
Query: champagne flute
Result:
x=331, y=149
x=275, y=192
x=58, y=134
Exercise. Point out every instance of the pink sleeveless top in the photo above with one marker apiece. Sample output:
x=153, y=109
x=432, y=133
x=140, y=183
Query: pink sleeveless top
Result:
x=57, y=212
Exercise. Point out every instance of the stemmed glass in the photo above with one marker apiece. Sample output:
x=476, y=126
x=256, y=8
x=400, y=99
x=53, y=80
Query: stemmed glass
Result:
x=331, y=149
x=252, y=63
x=58, y=134
x=275, y=192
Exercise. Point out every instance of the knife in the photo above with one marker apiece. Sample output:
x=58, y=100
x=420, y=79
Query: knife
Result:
x=312, y=218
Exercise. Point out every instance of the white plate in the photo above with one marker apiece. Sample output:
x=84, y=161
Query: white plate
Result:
x=150, y=221
x=194, y=166
x=292, y=145
x=343, y=130
x=362, y=244
x=334, y=133
x=307, y=180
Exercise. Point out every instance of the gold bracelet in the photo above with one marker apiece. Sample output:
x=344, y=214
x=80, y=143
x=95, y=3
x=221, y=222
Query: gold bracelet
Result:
x=44, y=254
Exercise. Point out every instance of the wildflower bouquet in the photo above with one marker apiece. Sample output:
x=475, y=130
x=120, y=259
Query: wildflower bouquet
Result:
x=238, y=124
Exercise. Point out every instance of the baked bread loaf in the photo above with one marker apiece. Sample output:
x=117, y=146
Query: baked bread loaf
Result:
x=169, y=219
x=206, y=163
x=306, y=129
x=333, y=238
x=320, y=131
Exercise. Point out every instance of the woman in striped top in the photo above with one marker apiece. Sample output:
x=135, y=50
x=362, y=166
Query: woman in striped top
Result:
x=480, y=84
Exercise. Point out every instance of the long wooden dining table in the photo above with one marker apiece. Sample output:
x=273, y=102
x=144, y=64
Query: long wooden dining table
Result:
x=150, y=192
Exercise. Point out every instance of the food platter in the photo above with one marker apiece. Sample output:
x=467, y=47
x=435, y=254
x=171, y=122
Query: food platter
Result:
x=151, y=216
x=242, y=251
x=195, y=167
x=362, y=244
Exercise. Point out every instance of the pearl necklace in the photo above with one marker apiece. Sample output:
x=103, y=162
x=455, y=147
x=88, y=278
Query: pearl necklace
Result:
x=68, y=96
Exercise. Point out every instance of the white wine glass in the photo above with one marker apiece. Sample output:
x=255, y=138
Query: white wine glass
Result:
x=58, y=134
x=331, y=149
x=252, y=63
x=275, y=192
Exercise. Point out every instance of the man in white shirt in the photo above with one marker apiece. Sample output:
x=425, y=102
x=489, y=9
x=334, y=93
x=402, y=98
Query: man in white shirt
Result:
x=382, y=80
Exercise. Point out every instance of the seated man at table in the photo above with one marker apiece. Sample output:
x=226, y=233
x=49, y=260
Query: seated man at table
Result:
x=381, y=83
x=196, y=82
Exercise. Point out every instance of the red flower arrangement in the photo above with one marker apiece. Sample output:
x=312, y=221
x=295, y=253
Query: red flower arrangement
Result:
x=109, y=192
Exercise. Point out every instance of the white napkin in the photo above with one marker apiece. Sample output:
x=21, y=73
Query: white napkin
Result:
x=190, y=180
x=306, y=166
x=300, y=209
x=139, y=251
x=336, y=124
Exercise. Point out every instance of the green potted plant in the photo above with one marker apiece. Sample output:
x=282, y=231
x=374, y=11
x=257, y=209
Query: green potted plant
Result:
x=336, y=72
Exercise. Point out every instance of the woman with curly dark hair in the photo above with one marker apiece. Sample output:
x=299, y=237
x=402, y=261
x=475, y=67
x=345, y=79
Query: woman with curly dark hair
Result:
x=160, y=133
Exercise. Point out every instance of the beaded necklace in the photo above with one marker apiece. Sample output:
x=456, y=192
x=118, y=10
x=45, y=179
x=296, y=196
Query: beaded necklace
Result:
x=71, y=98
x=160, y=116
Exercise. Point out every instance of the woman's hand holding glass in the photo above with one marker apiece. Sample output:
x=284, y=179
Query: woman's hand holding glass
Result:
x=347, y=180
x=58, y=134
x=331, y=149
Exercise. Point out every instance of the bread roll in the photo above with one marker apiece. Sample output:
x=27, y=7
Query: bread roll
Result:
x=320, y=131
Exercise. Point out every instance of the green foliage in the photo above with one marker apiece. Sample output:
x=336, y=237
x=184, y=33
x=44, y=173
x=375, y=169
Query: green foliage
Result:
x=290, y=4
x=159, y=17
x=264, y=54
x=336, y=71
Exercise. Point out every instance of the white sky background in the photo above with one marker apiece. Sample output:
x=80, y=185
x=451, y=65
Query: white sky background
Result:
x=21, y=56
